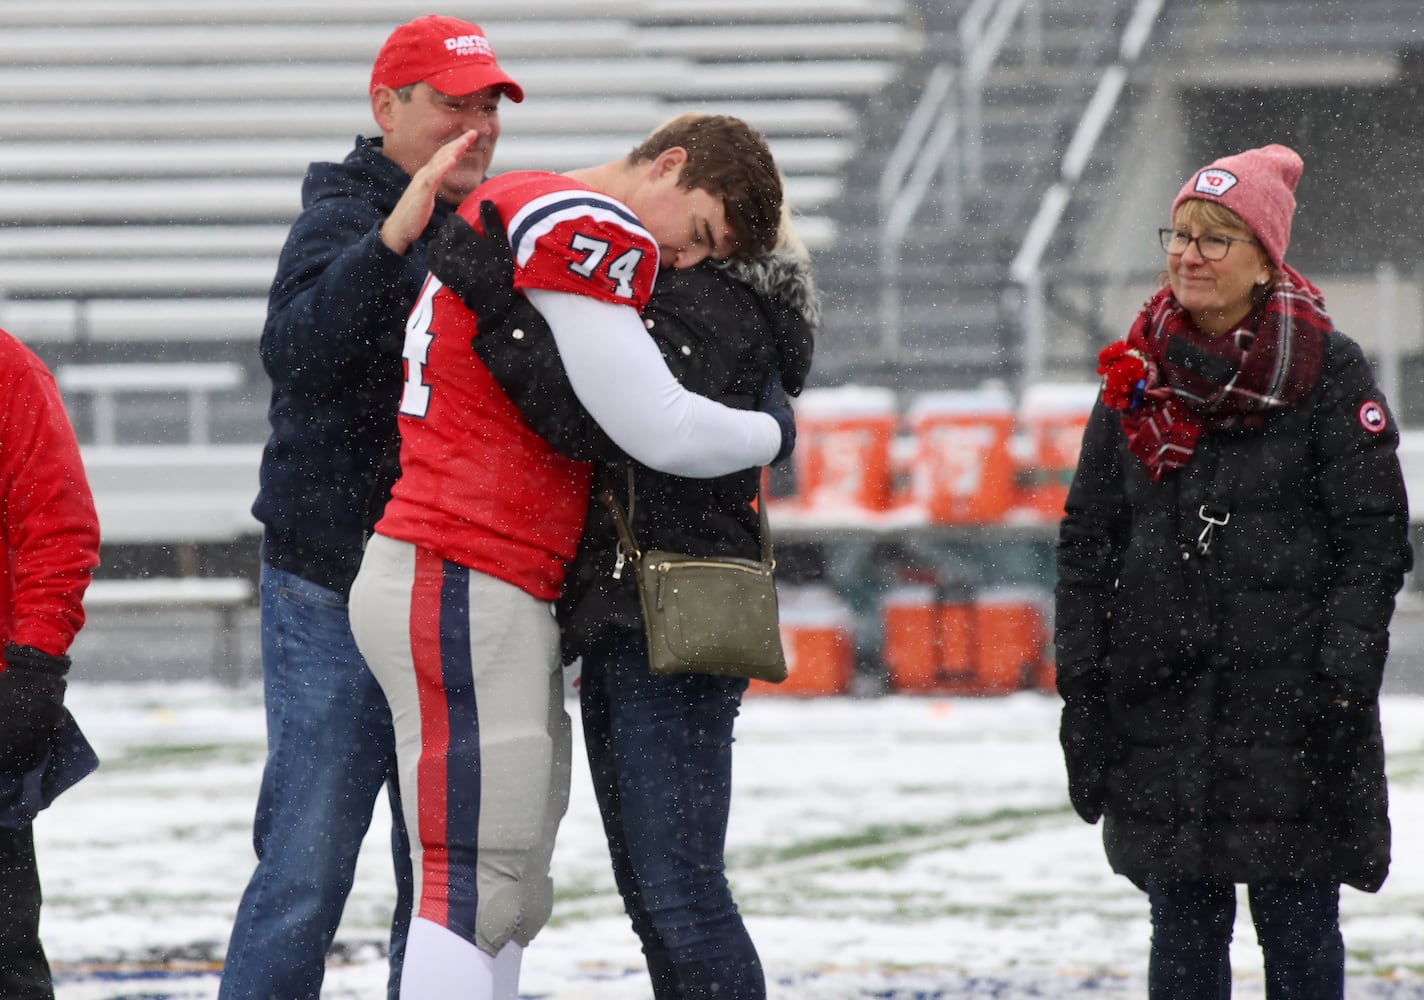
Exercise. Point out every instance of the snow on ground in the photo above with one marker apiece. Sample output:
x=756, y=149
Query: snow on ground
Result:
x=893, y=848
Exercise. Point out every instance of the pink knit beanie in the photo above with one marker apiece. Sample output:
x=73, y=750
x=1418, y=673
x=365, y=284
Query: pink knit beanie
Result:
x=1258, y=185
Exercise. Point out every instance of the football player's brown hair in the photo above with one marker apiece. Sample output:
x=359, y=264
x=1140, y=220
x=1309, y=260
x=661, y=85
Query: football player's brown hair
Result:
x=729, y=159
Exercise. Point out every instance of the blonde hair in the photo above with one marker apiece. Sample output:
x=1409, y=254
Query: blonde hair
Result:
x=788, y=239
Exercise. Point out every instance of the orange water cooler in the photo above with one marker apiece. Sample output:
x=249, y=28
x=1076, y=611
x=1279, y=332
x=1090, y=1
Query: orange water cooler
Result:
x=843, y=441
x=1052, y=417
x=964, y=472
x=1011, y=639
x=817, y=636
x=927, y=641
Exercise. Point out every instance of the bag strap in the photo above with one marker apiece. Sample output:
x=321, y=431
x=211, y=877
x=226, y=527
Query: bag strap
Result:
x=764, y=526
x=621, y=521
x=624, y=521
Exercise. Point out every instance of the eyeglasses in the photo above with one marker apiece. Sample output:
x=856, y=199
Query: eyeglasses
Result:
x=1176, y=241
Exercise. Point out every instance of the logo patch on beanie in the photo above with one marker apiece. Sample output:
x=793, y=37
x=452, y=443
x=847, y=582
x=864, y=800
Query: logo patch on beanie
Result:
x=1215, y=181
x=1372, y=417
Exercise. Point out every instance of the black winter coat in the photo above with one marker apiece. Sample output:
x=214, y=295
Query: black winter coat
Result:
x=721, y=338
x=1241, y=737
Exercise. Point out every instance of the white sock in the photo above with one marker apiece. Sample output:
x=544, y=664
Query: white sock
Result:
x=439, y=964
x=506, y=971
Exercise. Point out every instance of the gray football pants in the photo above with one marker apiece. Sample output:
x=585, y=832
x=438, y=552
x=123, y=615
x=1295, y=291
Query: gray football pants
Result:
x=470, y=666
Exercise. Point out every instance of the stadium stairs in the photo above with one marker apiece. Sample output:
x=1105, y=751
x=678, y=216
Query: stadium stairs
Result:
x=961, y=314
x=956, y=324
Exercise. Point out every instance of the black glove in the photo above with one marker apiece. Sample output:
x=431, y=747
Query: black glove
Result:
x=1085, y=735
x=479, y=269
x=775, y=403
x=31, y=705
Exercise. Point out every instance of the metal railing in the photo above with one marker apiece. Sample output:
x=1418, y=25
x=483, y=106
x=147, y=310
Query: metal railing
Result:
x=983, y=30
x=1027, y=269
x=943, y=135
x=925, y=146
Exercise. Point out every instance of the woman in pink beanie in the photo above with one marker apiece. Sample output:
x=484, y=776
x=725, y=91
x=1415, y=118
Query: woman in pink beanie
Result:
x=1234, y=538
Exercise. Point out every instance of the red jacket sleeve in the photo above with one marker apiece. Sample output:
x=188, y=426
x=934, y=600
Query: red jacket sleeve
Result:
x=51, y=530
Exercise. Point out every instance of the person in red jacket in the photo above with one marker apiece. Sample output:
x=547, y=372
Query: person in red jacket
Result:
x=51, y=546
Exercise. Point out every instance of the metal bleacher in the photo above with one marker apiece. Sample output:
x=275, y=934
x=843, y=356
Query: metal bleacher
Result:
x=152, y=152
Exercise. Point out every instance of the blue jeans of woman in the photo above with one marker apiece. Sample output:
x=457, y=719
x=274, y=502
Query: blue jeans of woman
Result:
x=1297, y=923
x=660, y=753
x=330, y=749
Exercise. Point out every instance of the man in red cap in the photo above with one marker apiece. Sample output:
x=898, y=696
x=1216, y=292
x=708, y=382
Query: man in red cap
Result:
x=348, y=275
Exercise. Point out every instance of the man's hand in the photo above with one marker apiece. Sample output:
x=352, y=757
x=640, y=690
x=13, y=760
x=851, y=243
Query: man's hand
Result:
x=31, y=705
x=412, y=213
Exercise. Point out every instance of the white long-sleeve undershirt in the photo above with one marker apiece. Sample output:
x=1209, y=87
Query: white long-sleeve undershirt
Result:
x=622, y=380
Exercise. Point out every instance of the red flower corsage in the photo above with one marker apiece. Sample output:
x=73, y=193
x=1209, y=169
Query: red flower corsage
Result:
x=1127, y=374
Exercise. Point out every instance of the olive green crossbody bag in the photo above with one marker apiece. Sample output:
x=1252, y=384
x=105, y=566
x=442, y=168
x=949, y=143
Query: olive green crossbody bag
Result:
x=705, y=614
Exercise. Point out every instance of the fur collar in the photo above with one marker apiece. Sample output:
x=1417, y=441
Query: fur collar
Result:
x=783, y=276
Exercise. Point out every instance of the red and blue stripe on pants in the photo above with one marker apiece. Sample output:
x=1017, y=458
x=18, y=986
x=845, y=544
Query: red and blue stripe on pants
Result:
x=449, y=768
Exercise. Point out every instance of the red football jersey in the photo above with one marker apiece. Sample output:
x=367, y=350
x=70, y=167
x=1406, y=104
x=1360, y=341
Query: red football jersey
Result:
x=477, y=486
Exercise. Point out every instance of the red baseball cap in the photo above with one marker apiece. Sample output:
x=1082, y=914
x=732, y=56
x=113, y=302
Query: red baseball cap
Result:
x=451, y=55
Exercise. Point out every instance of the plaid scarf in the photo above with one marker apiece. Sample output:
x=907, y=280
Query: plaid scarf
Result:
x=1171, y=382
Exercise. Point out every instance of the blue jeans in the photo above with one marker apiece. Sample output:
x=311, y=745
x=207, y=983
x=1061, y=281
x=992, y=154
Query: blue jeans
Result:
x=330, y=748
x=660, y=753
x=1297, y=923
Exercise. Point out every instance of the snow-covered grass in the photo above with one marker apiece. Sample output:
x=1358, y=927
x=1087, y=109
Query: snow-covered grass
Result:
x=893, y=848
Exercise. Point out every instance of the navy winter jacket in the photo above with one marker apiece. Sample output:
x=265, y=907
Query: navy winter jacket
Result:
x=332, y=348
